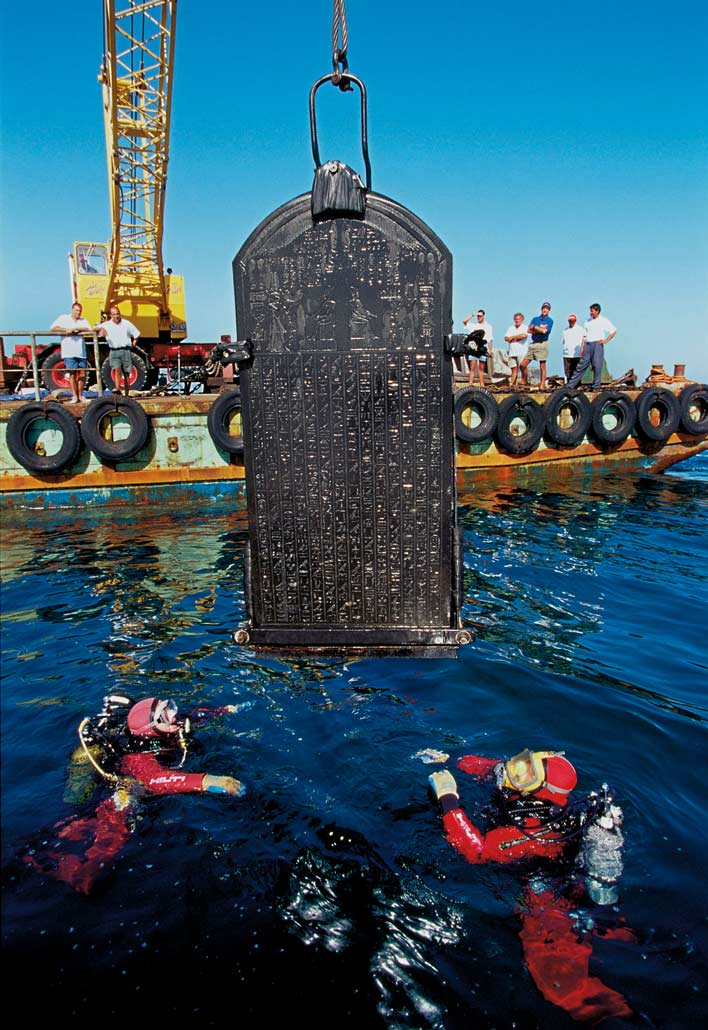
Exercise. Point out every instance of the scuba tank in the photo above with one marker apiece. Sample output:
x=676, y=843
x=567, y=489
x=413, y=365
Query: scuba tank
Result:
x=601, y=851
x=81, y=776
x=101, y=743
x=96, y=750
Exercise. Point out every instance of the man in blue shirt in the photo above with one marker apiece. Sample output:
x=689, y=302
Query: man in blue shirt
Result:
x=540, y=329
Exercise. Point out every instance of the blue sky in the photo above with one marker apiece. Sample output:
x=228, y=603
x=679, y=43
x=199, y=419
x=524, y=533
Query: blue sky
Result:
x=559, y=151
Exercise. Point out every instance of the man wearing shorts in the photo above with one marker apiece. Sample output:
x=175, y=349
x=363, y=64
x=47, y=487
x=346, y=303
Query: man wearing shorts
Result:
x=121, y=335
x=540, y=329
x=479, y=345
x=73, y=348
x=516, y=337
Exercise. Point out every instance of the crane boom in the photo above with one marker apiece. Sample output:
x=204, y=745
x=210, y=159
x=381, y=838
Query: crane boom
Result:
x=136, y=76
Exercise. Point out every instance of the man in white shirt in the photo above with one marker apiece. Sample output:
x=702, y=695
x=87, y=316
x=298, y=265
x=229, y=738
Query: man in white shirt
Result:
x=573, y=339
x=480, y=347
x=120, y=334
x=517, y=337
x=73, y=348
x=598, y=331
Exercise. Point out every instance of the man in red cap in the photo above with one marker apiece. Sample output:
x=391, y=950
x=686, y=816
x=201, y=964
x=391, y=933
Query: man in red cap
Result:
x=536, y=823
x=138, y=748
x=573, y=340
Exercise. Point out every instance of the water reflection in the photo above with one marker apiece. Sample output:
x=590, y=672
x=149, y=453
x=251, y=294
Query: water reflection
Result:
x=347, y=899
x=544, y=571
x=589, y=603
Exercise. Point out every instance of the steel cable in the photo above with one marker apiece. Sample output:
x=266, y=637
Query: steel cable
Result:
x=340, y=38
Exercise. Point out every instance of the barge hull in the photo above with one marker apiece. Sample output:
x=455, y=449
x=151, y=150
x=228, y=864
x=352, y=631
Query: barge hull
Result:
x=181, y=461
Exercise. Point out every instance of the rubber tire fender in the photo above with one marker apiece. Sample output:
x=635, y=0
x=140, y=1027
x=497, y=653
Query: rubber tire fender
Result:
x=21, y=420
x=481, y=399
x=509, y=409
x=696, y=393
x=626, y=406
x=217, y=422
x=668, y=404
x=140, y=365
x=583, y=416
x=115, y=450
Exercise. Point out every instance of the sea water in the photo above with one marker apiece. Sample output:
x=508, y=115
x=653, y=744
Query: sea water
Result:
x=328, y=894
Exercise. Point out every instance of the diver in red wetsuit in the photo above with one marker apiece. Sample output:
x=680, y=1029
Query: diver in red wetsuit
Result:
x=535, y=821
x=140, y=749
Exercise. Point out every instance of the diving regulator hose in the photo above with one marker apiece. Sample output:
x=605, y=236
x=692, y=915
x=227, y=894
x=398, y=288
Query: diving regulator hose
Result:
x=120, y=781
x=123, y=781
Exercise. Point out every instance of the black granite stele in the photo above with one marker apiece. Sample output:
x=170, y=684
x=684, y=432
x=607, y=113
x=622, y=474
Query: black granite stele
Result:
x=348, y=429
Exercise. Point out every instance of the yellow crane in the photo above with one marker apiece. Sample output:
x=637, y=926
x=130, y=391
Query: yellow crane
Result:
x=136, y=78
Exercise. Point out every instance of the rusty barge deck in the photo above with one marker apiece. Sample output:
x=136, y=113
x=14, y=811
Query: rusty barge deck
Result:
x=180, y=456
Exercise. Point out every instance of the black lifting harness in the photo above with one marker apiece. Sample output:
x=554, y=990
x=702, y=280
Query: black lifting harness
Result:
x=345, y=298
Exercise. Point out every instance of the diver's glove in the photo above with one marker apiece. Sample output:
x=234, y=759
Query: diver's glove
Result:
x=223, y=785
x=442, y=784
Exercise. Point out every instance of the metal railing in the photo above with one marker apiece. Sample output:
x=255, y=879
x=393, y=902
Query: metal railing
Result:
x=36, y=374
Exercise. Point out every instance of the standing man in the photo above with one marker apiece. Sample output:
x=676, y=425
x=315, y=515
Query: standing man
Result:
x=479, y=346
x=73, y=348
x=540, y=329
x=573, y=340
x=598, y=331
x=120, y=334
x=516, y=336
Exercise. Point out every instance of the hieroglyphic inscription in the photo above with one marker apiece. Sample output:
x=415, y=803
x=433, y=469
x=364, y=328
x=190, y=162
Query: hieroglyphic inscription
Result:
x=347, y=472
x=302, y=294
x=347, y=419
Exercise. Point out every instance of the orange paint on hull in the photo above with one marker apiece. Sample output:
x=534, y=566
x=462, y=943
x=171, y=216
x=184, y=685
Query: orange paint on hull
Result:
x=182, y=452
x=110, y=477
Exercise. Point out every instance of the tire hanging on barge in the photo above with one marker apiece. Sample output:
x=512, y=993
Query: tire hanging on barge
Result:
x=220, y=419
x=480, y=404
x=109, y=449
x=666, y=405
x=519, y=412
x=28, y=417
x=571, y=403
x=693, y=407
x=613, y=416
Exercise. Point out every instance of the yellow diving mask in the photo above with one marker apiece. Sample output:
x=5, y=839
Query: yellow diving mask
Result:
x=525, y=772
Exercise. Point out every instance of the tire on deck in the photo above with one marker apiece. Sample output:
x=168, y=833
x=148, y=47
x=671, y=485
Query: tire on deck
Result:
x=138, y=377
x=523, y=438
x=55, y=374
x=111, y=450
x=481, y=405
x=24, y=419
